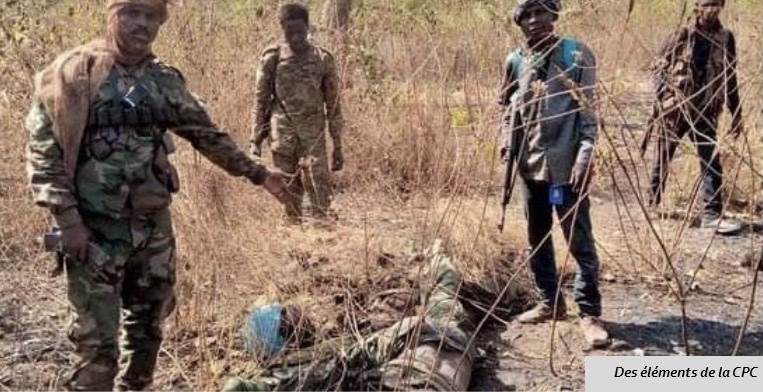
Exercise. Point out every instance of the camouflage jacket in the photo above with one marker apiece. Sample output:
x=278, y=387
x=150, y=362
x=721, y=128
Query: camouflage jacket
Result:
x=116, y=173
x=376, y=362
x=297, y=92
x=701, y=66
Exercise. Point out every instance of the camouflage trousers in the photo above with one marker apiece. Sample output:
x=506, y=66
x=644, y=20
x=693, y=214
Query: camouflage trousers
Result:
x=305, y=156
x=432, y=351
x=129, y=274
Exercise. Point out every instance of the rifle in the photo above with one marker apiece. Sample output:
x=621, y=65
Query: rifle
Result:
x=511, y=148
x=650, y=125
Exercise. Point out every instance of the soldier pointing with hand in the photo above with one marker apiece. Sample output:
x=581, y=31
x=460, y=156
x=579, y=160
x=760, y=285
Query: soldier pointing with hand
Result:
x=97, y=159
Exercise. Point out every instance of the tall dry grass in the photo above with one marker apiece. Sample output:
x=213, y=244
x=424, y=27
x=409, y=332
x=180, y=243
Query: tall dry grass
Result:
x=420, y=81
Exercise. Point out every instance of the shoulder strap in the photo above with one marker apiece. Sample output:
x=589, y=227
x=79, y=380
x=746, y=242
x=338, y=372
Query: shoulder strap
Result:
x=113, y=81
x=325, y=51
x=513, y=60
x=569, y=47
x=275, y=71
x=325, y=54
x=276, y=98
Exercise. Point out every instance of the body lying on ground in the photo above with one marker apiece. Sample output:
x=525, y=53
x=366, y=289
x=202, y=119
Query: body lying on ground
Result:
x=431, y=351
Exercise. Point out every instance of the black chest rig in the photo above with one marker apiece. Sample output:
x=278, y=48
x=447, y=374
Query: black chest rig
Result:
x=148, y=115
x=136, y=108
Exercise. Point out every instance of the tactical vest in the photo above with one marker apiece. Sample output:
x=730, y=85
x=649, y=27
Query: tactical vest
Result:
x=123, y=168
x=138, y=107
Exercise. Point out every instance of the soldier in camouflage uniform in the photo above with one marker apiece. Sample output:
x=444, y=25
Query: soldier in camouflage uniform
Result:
x=97, y=158
x=694, y=74
x=297, y=92
x=429, y=352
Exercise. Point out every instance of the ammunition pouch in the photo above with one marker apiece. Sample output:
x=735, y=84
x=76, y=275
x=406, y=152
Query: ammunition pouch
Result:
x=134, y=108
x=164, y=170
x=107, y=120
x=108, y=116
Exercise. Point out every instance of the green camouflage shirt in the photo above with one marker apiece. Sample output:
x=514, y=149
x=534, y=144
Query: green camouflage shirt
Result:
x=700, y=65
x=115, y=172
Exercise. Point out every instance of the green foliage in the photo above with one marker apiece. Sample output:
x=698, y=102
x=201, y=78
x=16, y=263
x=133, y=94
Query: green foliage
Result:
x=461, y=117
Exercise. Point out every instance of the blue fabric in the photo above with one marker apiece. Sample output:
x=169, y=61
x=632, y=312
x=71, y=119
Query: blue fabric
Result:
x=262, y=332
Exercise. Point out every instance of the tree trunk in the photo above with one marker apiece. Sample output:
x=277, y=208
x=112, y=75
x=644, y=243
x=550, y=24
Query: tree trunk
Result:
x=336, y=15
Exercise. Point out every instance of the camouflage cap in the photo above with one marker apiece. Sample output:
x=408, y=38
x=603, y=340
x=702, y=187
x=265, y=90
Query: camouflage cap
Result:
x=553, y=6
x=703, y=2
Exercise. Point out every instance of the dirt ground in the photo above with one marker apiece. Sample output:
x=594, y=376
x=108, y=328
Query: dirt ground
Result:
x=641, y=308
x=643, y=318
x=640, y=298
x=642, y=315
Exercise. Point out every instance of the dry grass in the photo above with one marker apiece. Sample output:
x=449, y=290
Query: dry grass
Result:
x=420, y=80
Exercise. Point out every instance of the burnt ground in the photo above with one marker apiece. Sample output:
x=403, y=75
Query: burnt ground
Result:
x=641, y=312
x=643, y=319
x=640, y=305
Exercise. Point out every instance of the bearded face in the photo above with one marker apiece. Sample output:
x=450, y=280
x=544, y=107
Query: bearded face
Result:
x=132, y=26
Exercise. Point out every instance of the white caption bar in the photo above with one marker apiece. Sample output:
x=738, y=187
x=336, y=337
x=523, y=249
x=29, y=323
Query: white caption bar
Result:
x=654, y=374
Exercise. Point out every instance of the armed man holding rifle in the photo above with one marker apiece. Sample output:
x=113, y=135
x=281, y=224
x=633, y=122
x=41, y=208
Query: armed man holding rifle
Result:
x=548, y=93
x=694, y=75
